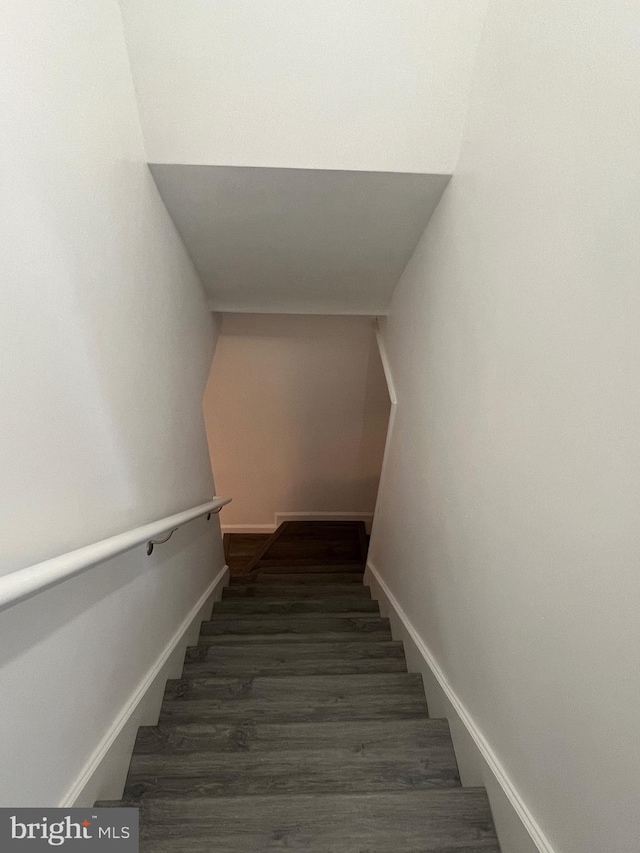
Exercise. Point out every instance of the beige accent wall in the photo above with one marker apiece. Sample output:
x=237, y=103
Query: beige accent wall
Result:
x=296, y=409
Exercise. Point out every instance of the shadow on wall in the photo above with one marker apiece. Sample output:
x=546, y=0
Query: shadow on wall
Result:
x=297, y=410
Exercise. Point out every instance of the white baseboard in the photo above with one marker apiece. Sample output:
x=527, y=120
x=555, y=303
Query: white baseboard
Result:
x=103, y=776
x=518, y=831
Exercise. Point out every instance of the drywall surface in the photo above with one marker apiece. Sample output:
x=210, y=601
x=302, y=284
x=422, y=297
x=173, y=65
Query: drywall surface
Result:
x=105, y=338
x=507, y=526
x=72, y=659
x=296, y=410
x=301, y=84
x=105, y=346
x=475, y=770
x=301, y=241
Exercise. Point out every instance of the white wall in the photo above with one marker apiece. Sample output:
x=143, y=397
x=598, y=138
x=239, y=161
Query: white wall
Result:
x=74, y=659
x=508, y=523
x=296, y=409
x=106, y=341
x=362, y=84
x=105, y=346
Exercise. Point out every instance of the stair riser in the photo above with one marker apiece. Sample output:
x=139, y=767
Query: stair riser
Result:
x=330, y=604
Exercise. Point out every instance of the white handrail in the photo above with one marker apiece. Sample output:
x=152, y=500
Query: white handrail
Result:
x=24, y=583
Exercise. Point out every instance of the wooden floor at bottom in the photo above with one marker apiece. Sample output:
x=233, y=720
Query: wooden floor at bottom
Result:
x=298, y=543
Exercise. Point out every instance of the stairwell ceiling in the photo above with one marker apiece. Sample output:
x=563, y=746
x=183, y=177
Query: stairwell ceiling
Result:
x=298, y=240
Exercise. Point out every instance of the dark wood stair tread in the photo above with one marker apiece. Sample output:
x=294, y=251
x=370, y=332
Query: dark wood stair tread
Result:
x=290, y=771
x=318, y=604
x=271, y=688
x=417, y=733
x=371, y=755
x=294, y=624
x=299, y=591
x=294, y=658
x=282, y=699
x=452, y=820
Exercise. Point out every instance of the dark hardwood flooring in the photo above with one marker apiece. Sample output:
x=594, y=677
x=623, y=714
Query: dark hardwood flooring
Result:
x=241, y=548
x=297, y=544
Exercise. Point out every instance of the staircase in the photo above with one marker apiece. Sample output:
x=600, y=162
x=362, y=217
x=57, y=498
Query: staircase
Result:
x=296, y=727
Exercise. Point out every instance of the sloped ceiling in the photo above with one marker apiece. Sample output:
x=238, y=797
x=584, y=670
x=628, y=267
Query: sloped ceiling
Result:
x=298, y=240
